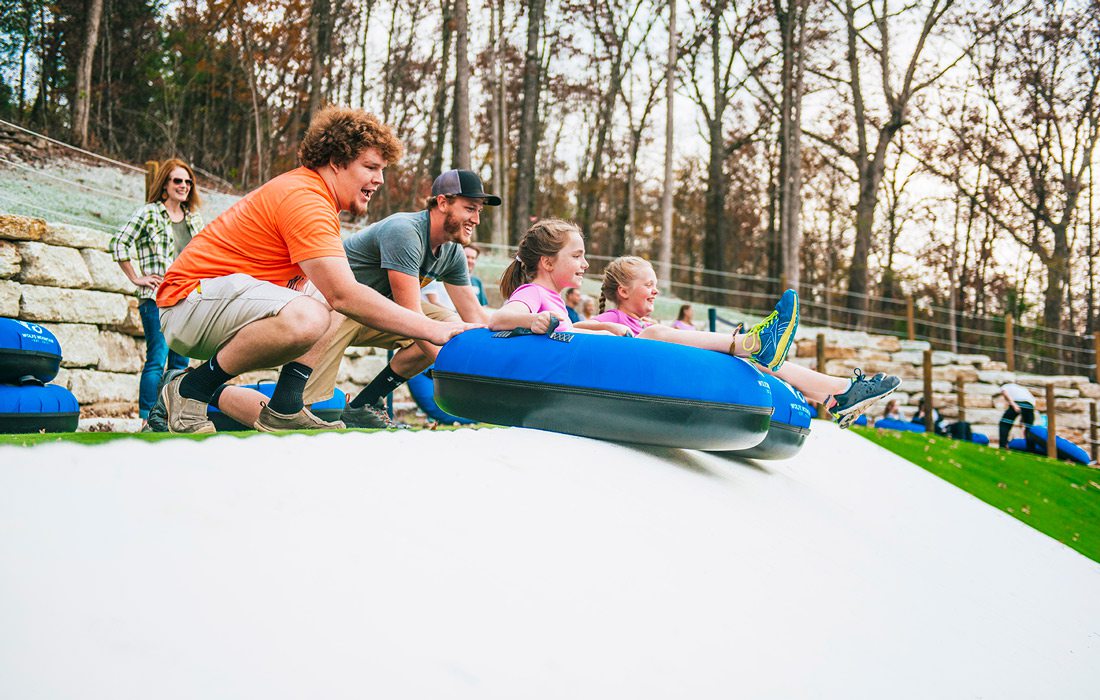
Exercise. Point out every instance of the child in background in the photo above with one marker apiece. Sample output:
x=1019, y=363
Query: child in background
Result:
x=685, y=320
x=551, y=258
x=631, y=285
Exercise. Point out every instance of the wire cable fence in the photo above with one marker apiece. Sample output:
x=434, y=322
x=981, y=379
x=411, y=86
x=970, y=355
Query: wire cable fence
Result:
x=1021, y=347
x=1028, y=348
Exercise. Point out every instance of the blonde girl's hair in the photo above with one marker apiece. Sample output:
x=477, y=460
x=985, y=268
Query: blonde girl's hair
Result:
x=158, y=192
x=544, y=239
x=619, y=273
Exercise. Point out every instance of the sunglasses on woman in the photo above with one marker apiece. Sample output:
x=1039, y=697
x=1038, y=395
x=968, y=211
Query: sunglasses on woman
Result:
x=181, y=181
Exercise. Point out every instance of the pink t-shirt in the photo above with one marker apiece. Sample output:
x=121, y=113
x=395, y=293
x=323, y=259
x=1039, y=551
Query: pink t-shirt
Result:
x=682, y=325
x=616, y=316
x=538, y=299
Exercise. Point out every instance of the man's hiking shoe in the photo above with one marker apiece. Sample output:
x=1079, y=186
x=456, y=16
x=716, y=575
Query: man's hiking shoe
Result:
x=852, y=403
x=769, y=341
x=270, y=421
x=183, y=415
x=157, y=421
x=368, y=416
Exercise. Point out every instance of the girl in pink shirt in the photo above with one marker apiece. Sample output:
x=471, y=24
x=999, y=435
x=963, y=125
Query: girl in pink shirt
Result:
x=630, y=284
x=550, y=258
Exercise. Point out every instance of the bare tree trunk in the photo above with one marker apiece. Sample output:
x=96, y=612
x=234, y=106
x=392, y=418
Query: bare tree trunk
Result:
x=83, y=92
x=664, y=258
x=461, y=143
x=320, y=32
x=497, y=117
x=440, y=119
x=792, y=25
x=529, y=122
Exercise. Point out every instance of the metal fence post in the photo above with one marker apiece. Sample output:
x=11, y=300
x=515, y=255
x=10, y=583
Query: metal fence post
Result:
x=1010, y=349
x=1052, y=428
x=822, y=412
x=929, y=408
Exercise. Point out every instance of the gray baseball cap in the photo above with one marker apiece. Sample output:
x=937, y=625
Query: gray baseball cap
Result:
x=464, y=184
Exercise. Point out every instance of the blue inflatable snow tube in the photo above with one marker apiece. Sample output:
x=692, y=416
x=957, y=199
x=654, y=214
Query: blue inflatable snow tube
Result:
x=790, y=423
x=33, y=408
x=611, y=388
x=1036, y=438
x=330, y=409
x=979, y=439
x=902, y=425
x=27, y=350
x=422, y=389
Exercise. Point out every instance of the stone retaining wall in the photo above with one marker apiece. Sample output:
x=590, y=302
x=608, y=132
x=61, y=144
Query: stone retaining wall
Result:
x=62, y=277
x=983, y=377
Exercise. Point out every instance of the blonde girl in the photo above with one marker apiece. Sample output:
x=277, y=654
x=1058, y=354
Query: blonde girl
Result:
x=630, y=285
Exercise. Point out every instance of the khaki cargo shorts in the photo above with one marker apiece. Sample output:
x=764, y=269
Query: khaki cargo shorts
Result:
x=209, y=317
x=351, y=333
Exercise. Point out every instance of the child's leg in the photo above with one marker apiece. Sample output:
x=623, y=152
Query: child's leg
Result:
x=817, y=387
x=767, y=343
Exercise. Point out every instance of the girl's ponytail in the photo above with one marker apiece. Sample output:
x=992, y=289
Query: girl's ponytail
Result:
x=512, y=278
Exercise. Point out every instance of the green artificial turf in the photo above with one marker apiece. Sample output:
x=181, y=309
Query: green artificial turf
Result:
x=1059, y=499
x=31, y=439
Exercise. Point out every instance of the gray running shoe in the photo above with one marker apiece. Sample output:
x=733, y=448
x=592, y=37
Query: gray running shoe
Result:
x=369, y=416
x=852, y=403
x=270, y=421
x=157, y=422
x=183, y=415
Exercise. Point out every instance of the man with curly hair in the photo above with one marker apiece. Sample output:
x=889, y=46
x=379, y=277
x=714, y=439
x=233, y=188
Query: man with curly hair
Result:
x=256, y=287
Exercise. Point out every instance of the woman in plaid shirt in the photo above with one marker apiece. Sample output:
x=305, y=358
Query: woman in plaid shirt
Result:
x=157, y=232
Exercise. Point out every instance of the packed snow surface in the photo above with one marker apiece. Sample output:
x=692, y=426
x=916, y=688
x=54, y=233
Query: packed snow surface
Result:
x=511, y=563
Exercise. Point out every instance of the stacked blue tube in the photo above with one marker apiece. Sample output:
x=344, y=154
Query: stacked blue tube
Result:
x=30, y=357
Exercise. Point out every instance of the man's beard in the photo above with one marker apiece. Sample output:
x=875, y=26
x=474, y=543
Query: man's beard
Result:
x=452, y=227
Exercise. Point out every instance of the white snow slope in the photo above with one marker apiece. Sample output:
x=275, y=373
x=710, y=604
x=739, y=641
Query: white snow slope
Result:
x=520, y=564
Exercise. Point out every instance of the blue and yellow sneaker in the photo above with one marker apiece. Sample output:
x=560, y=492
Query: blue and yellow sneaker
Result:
x=769, y=341
x=860, y=395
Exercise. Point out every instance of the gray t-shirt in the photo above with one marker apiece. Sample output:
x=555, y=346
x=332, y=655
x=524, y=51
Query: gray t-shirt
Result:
x=400, y=242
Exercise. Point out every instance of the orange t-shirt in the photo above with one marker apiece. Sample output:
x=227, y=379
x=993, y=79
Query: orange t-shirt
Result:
x=265, y=235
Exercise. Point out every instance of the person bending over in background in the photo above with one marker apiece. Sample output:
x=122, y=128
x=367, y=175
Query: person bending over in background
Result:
x=256, y=288
x=630, y=284
x=158, y=232
x=1021, y=403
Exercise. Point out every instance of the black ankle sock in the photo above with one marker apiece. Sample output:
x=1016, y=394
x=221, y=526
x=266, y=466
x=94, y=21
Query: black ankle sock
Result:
x=217, y=395
x=201, y=382
x=386, y=381
x=287, y=398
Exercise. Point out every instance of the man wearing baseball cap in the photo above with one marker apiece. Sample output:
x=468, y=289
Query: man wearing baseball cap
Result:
x=396, y=257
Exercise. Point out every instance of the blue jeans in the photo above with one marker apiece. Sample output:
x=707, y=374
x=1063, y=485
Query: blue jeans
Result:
x=156, y=354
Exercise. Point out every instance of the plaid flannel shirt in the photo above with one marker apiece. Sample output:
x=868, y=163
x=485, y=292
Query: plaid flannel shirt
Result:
x=149, y=234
